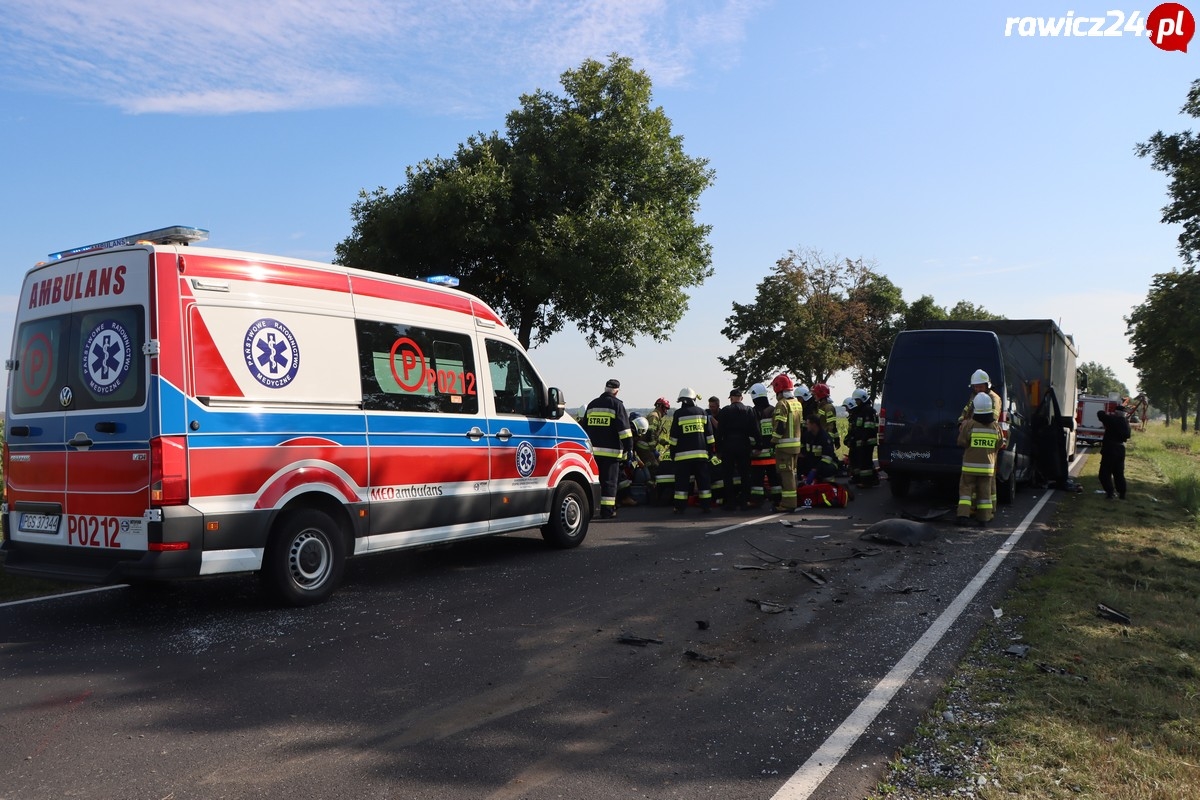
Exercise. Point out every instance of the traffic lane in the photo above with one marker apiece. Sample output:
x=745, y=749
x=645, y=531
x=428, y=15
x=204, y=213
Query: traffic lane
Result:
x=485, y=669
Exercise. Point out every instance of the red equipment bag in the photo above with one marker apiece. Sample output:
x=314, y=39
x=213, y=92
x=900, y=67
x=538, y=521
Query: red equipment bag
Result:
x=822, y=495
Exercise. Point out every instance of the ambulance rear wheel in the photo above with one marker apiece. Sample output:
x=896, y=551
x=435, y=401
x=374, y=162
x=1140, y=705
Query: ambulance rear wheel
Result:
x=568, y=517
x=305, y=557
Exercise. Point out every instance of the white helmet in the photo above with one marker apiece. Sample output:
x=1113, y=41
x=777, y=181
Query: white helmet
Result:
x=849, y=403
x=687, y=394
x=803, y=393
x=979, y=376
x=758, y=390
x=641, y=425
x=982, y=403
x=859, y=395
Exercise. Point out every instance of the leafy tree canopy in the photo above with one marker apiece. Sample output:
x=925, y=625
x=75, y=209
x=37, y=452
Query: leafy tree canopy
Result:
x=1102, y=380
x=1165, y=334
x=582, y=211
x=1178, y=155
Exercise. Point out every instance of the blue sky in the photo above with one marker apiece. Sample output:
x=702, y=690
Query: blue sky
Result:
x=965, y=164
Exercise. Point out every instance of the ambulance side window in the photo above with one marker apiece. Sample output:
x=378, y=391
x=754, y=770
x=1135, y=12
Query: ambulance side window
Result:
x=415, y=368
x=515, y=386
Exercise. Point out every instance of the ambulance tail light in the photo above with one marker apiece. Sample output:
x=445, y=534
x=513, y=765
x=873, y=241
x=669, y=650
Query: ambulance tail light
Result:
x=168, y=471
x=880, y=432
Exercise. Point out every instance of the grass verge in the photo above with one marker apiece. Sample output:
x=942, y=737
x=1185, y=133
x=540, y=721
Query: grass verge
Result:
x=1096, y=708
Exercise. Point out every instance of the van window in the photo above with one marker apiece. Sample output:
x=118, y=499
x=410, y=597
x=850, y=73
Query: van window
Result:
x=414, y=368
x=98, y=354
x=516, y=387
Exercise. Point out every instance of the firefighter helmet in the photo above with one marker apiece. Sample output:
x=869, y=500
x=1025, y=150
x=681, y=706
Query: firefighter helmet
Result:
x=982, y=403
x=662, y=401
x=859, y=395
x=978, y=377
x=687, y=394
x=849, y=403
x=821, y=391
x=641, y=425
x=758, y=390
x=782, y=383
x=803, y=393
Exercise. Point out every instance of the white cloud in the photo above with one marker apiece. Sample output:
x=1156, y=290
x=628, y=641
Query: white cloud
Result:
x=227, y=56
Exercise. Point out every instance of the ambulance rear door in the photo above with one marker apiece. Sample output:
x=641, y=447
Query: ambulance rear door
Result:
x=79, y=423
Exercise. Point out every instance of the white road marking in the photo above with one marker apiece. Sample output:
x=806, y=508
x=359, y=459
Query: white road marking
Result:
x=64, y=594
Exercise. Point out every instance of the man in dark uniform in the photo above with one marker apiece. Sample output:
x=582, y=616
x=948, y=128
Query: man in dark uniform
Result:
x=737, y=423
x=1112, y=451
x=607, y=424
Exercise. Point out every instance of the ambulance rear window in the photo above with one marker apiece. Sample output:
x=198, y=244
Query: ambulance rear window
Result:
x=81, y=361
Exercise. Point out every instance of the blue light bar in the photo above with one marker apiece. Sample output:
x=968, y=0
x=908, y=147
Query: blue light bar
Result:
x=176, y=234
x=442, y=280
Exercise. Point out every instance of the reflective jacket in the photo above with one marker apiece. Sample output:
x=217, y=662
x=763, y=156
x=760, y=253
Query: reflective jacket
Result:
x=864, y=426
x=788, y=426
x=981, y=441
x=762, y=453
x=691, y=434
x=607, y=425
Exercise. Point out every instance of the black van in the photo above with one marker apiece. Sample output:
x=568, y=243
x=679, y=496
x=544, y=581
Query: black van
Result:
x=925, y=387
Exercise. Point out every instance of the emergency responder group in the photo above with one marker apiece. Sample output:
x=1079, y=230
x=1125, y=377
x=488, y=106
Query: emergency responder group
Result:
x=737, y=456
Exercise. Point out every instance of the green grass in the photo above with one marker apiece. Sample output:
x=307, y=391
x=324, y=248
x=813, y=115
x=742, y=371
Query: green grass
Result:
x=1098, y=708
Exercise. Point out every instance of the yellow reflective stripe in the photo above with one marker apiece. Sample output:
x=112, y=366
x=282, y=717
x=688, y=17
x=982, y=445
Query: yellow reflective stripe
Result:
x=976, y=470
x=985, y=440
x=606, y=452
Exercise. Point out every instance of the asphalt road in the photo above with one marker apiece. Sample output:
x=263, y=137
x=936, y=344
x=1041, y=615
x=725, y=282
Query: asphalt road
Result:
x=495, y=669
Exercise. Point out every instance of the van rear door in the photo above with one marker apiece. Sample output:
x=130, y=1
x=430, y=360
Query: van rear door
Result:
x=79, y=424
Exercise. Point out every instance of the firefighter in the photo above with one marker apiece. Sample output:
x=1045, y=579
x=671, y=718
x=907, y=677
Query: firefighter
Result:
x=807, y=401
x=861, y=437
x=786, y=437
x=763, y=475
x=827, y=412
x=818, y=461
x=692, y=444
x=980, y=436
x=660, y=434
x=738, y=425
x=607, y=424
x=980, y=384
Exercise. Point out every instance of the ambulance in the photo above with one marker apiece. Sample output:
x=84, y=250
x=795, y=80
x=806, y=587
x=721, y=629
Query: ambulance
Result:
x=177, y=411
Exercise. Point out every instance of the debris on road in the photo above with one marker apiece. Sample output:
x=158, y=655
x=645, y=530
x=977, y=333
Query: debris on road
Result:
x=694, y=656
x=905, y=532
x=814, y=577
x=1066, y=673
x=1018, y=650
x=749, y=566
x=1108, y=612
x=702, y=624
x=767, y=606
x=906, y=589
x=636, y=641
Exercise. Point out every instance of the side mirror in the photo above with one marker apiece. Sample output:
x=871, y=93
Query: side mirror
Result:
x=556, y=404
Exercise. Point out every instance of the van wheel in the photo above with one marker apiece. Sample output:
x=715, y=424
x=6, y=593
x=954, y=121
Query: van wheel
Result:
x=305, y=557
x=1006, y=490
x=899, y=483
x=568, y=517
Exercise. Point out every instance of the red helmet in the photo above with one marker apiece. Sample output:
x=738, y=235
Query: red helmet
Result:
x=662, y=401
x=820, y=391
x=782, y=383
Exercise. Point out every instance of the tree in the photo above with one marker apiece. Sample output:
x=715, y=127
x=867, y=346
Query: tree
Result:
x=814, y=316
x=923, y=309
x=1165, y=334
x=875, y=311
x=1102, y=380
x=1178, y=155
x=583, y=211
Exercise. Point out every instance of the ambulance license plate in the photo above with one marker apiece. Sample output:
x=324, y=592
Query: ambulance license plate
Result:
x=40, y=523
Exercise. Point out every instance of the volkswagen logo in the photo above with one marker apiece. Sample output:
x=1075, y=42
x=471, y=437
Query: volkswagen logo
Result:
x=65, y=397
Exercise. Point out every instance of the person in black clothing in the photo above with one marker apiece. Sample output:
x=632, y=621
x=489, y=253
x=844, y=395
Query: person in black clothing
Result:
x=738, y=425
x=818, y=464
x=607, y=424
x=1112, y=451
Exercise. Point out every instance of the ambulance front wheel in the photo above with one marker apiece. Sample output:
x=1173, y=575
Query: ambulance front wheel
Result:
x=568, y=517
x=304, y=558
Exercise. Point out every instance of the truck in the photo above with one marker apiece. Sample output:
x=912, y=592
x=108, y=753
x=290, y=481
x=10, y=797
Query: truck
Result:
x=1033, y=371
x=1088, y=429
